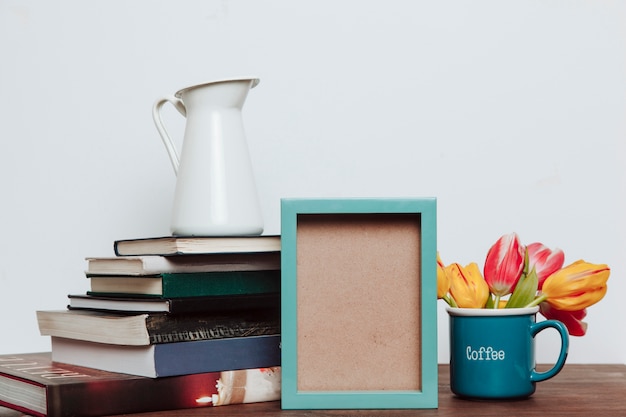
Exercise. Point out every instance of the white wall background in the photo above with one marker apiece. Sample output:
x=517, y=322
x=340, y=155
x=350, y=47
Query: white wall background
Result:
x=511, y=113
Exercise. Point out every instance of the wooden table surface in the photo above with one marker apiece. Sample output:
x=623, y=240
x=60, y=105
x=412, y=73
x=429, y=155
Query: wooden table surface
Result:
x=577, y=391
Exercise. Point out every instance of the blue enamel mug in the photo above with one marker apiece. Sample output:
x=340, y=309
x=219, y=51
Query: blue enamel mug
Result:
x=492, y=352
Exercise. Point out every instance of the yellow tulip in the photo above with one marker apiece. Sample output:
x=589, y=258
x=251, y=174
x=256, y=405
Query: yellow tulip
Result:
x=467, y=285
x=443, y=280
x=576, y=286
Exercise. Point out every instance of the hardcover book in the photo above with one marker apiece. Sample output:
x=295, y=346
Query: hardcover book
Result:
x=34, y=384
x=180, y=305
x=155, y=264
x=194, y=284
x=155, y=328
x=171, y=359
x=8, y=412
x=179, y=245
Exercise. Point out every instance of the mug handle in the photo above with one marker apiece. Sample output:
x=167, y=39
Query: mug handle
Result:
x=536, y=328
x=167, y=141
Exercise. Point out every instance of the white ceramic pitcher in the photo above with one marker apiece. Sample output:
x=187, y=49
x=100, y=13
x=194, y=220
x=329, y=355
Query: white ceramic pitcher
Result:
x=215, y=190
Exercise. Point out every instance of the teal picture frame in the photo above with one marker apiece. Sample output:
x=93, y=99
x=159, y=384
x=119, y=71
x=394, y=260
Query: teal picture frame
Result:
x=332, y=249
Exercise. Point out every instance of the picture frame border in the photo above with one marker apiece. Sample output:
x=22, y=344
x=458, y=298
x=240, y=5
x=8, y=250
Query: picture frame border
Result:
x=427, y=396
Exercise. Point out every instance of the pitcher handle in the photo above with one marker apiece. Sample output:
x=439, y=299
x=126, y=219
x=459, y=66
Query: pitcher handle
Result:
x=560, y=327
x=167, y=141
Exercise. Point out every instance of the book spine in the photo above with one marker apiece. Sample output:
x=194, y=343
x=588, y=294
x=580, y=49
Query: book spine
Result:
x=186, y=328
x=220, y=283
x=224, y=303
x=193, y=284
x=171, y=245
x=155, y=265
x=216, y=355
x=171, y=359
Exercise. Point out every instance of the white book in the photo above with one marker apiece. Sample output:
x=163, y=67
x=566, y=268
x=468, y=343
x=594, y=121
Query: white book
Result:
x=155, y=264
x=187, y=245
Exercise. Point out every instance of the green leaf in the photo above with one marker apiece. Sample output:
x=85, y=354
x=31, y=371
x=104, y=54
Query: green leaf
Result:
x=490, y=302
x=526, y=262
x=525, y=291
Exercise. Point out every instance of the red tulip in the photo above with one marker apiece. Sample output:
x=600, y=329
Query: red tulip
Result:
x=545, y=261
x=504, y=265
x=571, y=319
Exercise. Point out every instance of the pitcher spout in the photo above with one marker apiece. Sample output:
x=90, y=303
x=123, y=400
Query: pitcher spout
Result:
x=225, y=93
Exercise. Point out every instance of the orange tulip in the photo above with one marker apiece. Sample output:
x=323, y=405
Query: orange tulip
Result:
x=576, y=286
x=443, y=280
x=467, y=285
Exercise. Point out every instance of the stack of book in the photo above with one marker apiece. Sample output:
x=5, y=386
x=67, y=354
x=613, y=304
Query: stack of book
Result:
x=168, y=323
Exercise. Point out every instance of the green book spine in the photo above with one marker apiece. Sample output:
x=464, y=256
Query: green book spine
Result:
x=220, y=283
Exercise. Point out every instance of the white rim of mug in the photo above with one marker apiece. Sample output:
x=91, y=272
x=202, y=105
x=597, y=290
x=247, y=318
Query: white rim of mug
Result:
x=255, y=81
x=491, y=312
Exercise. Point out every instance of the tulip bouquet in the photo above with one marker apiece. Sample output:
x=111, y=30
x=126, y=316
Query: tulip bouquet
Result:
x=517, y=276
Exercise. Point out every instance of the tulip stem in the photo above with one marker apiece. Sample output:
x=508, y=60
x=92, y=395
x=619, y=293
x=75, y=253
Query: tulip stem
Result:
x=537, y=301
x=496, y=302
x=448, y=299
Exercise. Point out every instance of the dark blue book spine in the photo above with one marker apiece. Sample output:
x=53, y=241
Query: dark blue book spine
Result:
x=217, y=355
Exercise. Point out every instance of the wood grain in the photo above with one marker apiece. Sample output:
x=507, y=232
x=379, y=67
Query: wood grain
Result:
x=577, y=391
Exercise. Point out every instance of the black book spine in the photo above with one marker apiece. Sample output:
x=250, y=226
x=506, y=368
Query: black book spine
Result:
x=167, y=328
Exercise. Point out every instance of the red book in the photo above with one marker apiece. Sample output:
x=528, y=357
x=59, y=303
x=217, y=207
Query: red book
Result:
x=34, y=384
